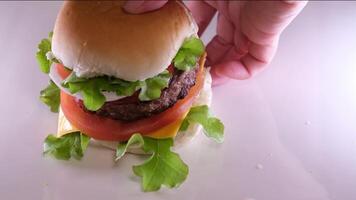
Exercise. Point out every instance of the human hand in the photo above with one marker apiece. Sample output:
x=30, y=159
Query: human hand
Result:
x=247, y=32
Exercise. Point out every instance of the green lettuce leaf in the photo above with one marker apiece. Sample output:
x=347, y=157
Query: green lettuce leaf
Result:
x=188, y=55
x=163, y=167
x=152, y=87
x=92, y=88
x=51, y=96
x=63, y=148
x=92, y=97
x=124, y=88
x=135, y=139
x=41, y=56
x=213, y=127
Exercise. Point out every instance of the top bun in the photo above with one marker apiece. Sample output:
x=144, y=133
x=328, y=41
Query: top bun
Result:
x=99, y=38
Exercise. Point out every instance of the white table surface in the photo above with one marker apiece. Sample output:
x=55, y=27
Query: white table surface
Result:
x=290, y=131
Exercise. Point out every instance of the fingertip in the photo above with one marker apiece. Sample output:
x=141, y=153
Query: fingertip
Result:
x=141, y=6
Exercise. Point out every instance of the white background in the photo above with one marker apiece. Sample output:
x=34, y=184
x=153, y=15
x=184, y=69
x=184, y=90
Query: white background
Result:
x=290, y=131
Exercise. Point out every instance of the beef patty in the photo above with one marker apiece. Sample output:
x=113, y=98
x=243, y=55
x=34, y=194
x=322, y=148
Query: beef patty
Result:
x=130, y=108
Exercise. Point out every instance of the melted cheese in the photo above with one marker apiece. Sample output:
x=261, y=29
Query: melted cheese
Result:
x=169, y=131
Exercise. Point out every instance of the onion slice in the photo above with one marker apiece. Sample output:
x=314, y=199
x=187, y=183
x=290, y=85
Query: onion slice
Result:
x=57, y=79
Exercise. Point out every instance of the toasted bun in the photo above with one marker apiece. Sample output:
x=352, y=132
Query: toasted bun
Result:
x=204, y=98
x=100, y=38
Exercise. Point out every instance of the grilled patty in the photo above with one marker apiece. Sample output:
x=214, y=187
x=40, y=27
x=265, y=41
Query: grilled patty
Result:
x=130, y=108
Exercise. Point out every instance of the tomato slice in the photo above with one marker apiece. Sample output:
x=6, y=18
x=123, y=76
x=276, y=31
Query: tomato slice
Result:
x=62, y=71
x=103, y=128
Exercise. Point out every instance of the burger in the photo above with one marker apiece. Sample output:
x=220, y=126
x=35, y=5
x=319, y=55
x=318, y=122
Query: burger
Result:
x=129, y=82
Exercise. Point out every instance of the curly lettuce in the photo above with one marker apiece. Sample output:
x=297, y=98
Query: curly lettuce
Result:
x=51, y=96
x=92, y=88
x=188, y=55
x=212, y=126
x=163, y=167
x=44, y=47
x=65, y=147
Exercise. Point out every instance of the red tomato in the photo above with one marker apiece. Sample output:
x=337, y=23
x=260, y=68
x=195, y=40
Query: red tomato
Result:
x=62, y=71
x=114, y=130
x=170, y=68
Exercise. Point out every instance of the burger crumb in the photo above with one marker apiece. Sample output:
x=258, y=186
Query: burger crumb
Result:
x=259, y=166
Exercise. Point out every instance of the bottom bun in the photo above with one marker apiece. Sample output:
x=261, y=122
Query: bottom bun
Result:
x=182, y=137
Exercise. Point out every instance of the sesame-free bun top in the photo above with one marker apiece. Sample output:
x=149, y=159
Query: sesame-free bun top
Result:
x=99, y=38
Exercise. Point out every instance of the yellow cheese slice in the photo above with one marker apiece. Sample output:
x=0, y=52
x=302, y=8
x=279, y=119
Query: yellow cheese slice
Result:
x=64, y=126
x=169, y=131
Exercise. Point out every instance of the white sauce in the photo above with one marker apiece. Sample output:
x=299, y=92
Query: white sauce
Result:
x=57, y=79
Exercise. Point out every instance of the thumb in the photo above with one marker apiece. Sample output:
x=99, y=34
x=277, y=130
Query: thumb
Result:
x=141, y=6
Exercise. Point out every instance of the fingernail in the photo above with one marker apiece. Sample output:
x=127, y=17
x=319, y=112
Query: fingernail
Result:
x=132, y=6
